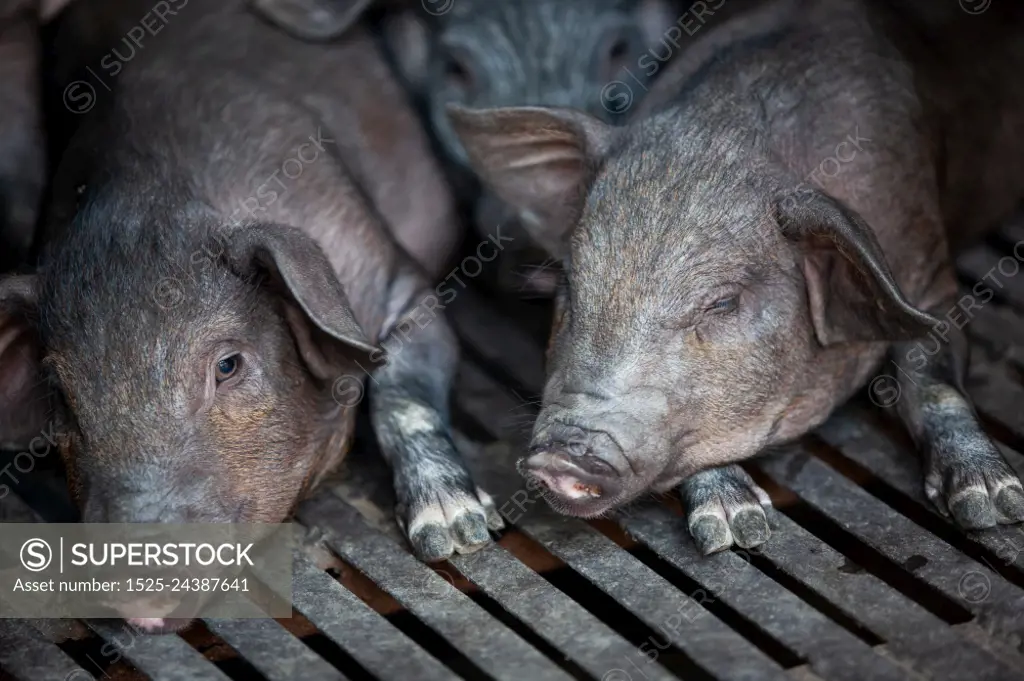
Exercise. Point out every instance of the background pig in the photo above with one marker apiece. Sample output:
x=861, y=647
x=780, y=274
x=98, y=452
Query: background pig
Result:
x=587, y=54
x=721, y=298
x=22, y=150
x=222, y=263
x=22, y=175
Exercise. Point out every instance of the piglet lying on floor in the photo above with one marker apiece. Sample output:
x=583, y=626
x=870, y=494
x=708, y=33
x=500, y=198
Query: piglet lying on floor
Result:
x=741, y=259
x=224, y=255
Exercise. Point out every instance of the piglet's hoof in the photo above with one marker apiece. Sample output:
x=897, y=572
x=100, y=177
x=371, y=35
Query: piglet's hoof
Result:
x=450, y=521
x=725, y=507
x=978, y=493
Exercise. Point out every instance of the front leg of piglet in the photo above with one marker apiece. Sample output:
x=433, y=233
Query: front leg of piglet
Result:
x=724, y=506
x=966, y=477
x=439, y=507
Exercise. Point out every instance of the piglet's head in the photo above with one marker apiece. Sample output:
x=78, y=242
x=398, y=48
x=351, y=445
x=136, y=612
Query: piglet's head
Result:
x=699, y=303
x=481, y=53
x=183, y=381
x=494, y=53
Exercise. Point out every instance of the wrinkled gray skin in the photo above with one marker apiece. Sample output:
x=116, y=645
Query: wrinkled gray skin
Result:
x=22, y=149
x=720, y=299
x=223, y=259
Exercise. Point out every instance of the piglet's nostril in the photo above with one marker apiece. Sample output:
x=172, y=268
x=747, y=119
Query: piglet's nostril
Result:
x=592, y=452
x=571, y=448
x=577, y=448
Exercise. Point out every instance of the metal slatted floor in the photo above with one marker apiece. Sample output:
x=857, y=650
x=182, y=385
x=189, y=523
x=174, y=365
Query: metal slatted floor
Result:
x=861, y=580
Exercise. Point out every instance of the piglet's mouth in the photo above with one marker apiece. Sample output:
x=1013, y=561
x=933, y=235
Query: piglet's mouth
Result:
x=569, y=488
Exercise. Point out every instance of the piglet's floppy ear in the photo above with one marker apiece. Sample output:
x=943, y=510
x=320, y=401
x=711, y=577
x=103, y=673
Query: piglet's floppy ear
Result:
x=24, y=398
x=298, y=262
x=540, y=160
x=313, y=20
x=850, y=289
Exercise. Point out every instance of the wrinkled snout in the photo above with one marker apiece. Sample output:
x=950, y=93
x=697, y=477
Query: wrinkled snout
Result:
x=103, y=507
x=579, y=471
x=147, y=495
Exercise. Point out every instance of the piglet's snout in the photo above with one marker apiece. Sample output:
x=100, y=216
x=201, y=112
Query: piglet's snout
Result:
x=155, y=499
x=134, y=508
x=575, y=464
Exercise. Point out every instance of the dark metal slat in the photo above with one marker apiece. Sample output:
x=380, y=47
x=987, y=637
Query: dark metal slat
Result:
x=997, y=329
x=13, y=509
x=997, y=395
x=375, y=643
x=640, y=590
x=803, y=673
x=634, y=586
x=858, y=436
x=28, y=656
x=162, y=658
x=913, y=634
x=833, y=652
x=539, y=606
x=998, y=604
x=273, y=650
x=1013, y=230
x=572, y=630
x=981, y=264
x=677, y=616
x=484, y=640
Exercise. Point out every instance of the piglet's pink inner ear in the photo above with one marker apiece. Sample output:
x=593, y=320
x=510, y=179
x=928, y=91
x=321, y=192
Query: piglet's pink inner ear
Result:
x=850, y=289
x=25, y=403
x=540, y=160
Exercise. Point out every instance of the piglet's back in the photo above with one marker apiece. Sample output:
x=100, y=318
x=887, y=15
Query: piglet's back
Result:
x=956, y=69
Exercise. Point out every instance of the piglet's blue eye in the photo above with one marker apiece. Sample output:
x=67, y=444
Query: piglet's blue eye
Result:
x=227, y=367
x=724, y=305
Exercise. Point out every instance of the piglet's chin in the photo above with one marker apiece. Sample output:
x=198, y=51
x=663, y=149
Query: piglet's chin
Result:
x=159, y=614
x=147, y=624
x=158, y=625
x=568, y=488
x=563, y=498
